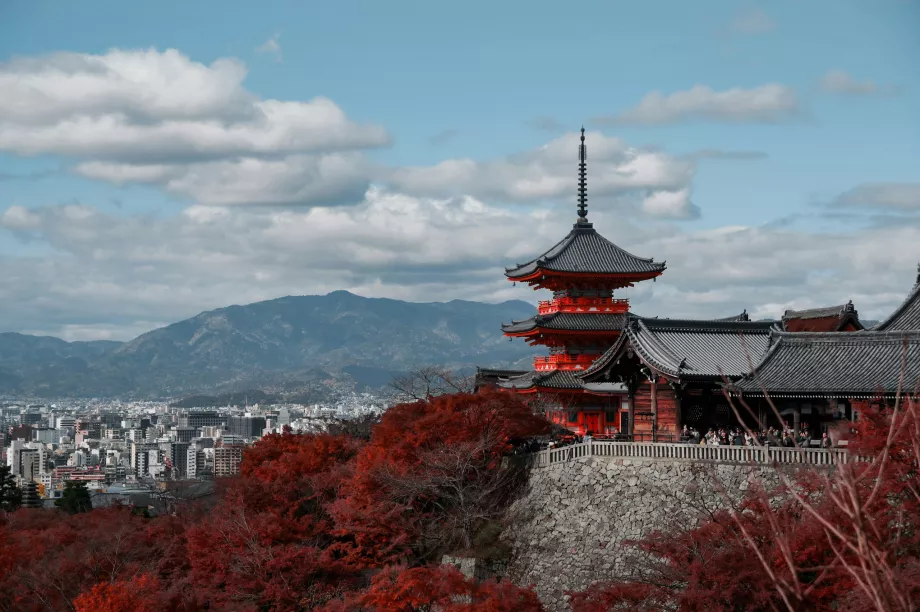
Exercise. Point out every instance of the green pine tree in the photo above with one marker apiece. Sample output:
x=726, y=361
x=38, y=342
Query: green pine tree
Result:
x=10, y=494
x=74, y=498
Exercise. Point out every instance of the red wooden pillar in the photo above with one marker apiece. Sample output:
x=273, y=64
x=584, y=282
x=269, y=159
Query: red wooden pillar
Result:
x=631, y=406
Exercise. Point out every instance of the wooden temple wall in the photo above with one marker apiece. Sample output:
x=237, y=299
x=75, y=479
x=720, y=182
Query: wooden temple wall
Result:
x=667, y=409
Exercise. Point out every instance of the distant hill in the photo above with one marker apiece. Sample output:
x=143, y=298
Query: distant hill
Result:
x=272, y=343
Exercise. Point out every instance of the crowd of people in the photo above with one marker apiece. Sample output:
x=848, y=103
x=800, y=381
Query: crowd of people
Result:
x=771, y=436
x=722, y=436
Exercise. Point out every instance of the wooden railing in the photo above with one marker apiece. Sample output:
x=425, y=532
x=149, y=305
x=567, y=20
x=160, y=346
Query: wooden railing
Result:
x=563, y=361
x=583, y=305
x=765, y=455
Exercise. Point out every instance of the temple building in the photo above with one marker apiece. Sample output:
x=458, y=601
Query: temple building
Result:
x=579, y=323
x=713, y=374
x=674, y=370
x=829, y=378
x=611, y=372
x=826, y=379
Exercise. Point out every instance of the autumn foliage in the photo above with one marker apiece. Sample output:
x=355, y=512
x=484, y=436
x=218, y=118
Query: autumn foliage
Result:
x=313, y=522
x=406, y=589
x=139, y=594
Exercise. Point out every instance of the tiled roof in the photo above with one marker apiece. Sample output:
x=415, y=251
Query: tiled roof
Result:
x=490, y=372
x=571, y=321
x=584, y=250
x=557, y=379
x=826, y=319
x=907, y=315
x=687, y=348
x=836, y=363
x=816, y=313
x=488, y=376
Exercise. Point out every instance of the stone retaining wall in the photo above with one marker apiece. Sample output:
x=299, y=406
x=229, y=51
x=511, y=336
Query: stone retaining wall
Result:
x=568, y=528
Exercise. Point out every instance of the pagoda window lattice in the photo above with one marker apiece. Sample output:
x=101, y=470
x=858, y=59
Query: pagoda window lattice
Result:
x=693, y=413
x=721, y=414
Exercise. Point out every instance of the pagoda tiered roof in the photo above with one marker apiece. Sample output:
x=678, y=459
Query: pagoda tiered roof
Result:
x=584, y=251
x=689, y=348
x=567, y=321
x=907, y=315
x=556, y=380
x=836, y=364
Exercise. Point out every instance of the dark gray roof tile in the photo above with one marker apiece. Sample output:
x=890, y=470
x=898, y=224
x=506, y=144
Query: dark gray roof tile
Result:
x=816, y=313
x=568, y=321
x=586, y=251
x=906, y=316
x=557, y=379
x=837, y=363
x=687, y=348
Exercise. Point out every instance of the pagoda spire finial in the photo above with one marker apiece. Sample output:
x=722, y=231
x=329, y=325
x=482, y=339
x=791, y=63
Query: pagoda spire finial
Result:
x=582, y=180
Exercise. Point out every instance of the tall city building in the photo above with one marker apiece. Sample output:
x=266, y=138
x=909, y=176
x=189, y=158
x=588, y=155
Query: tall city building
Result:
x=247, y=426
x=227, y=460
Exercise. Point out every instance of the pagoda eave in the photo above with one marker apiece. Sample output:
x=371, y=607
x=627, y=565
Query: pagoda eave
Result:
x=557, y=337
x=554, y=390
x=555, y=280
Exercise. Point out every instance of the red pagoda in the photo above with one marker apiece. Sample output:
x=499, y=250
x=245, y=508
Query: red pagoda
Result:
x=581, y=321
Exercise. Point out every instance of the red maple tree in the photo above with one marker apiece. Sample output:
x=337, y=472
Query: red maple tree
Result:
x=432, y=476
x=269, y=543
x=444, y=588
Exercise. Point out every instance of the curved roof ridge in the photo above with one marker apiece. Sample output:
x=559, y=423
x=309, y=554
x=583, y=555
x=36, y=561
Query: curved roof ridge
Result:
x=771, y=350
x=862, y=335
x=605, y=358
x=621, y=249
x=577, y=321
x=648, y=341
x=568, y=237
x=723, y=325
x=584, y=250
x=907, y=315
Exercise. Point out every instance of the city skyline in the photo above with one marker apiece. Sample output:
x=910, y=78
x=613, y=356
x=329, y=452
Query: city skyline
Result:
x=153, y=169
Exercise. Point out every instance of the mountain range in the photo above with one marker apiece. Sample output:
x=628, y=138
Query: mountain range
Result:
x=278, y=342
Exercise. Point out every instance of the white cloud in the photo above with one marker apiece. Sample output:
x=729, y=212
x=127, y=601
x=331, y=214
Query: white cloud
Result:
x=838, y=81
x=111, y=273
x=19, y=218
x=338, y=178
x=670, y=204
x=768, y=103
x=894, y=196
x=271, y=46
x=546, y=173
x=420, y=233
x=159, y=107
x=752, y=21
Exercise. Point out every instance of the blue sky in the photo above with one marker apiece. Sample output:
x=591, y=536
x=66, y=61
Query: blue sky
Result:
x=798, y=121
